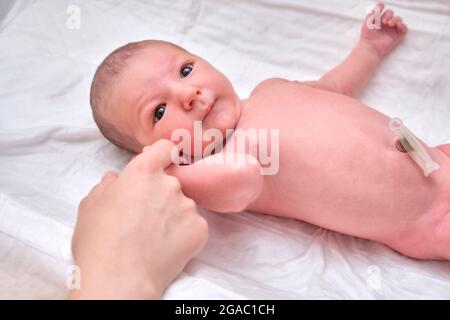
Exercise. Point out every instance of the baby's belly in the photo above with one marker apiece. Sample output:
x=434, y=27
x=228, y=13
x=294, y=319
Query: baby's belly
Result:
x=338, y=165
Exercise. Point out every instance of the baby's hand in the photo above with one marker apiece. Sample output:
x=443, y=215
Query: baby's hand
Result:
x=382, y=31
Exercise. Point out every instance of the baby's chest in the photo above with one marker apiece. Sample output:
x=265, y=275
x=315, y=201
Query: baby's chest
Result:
x=291, y=106
x=304, y=112
x=309, y=125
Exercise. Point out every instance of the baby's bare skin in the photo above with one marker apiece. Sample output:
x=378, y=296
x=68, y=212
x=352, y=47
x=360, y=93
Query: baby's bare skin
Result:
x=339, y=167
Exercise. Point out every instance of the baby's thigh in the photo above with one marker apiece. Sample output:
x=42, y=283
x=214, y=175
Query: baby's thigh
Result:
x=445, y=148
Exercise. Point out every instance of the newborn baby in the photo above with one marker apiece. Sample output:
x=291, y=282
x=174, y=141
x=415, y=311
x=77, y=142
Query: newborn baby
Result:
x=339, y=164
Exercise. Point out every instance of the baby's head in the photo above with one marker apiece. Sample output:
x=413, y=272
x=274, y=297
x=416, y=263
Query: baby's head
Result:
x=145, y=90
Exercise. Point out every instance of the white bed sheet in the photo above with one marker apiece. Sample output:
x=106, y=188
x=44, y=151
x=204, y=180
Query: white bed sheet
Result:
x=51, y=153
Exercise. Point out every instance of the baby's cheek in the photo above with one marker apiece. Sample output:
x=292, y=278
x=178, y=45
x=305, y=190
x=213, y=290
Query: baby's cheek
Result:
x=179, y=131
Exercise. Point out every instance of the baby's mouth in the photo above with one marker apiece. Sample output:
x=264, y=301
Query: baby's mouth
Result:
x=208, y=108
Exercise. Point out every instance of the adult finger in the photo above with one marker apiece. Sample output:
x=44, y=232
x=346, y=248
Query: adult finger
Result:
x=161, y=152
x=153, y=158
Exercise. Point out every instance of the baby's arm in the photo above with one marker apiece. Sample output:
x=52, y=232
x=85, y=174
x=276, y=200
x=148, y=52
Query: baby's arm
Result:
x=350, y=76
x=219, y=186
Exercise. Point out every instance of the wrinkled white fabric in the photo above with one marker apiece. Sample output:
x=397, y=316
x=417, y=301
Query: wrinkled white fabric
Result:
x=51, y=153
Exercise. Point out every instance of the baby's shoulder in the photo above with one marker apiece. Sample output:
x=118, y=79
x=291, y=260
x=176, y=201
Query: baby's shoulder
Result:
x=267, y=84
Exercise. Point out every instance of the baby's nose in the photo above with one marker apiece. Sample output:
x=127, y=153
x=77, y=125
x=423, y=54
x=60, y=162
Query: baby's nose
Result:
x=190, y=95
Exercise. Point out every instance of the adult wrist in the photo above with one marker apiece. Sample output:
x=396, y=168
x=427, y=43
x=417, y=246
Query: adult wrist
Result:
x=99, y=284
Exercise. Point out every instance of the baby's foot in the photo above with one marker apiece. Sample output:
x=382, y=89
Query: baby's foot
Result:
x=382, y=31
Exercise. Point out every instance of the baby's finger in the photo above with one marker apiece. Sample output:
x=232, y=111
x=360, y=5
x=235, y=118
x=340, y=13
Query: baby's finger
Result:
x=405, y=28
x=379, y=7
x=393, y=21
x=402, y=27
x=375, y=9
x=387, y=15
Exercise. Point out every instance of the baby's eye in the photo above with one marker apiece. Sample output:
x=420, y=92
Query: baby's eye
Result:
x=159, y=113
x=186, y=70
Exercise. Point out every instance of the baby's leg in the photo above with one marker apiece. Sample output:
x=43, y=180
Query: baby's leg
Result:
x=445, y=148
x=429, y=237
x=440, y=218
x=442, y=236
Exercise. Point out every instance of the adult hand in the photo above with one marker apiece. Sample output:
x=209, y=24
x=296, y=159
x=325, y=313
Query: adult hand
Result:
x=136, y=232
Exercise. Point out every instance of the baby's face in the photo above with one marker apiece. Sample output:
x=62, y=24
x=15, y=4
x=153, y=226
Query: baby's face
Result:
x=164, y=88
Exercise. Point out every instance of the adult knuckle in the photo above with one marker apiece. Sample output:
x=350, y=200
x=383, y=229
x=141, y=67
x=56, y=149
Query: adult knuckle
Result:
x=190, y=205
x=94, y=189
x=188, y=209
x=203, y=228
x=152, y=166
x=147, y=165
x=172, y=183
x=202, y=224
x=148, y=160
x=83, y=204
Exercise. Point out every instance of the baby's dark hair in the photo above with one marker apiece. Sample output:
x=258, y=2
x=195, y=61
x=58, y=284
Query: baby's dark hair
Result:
x=105, y=78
